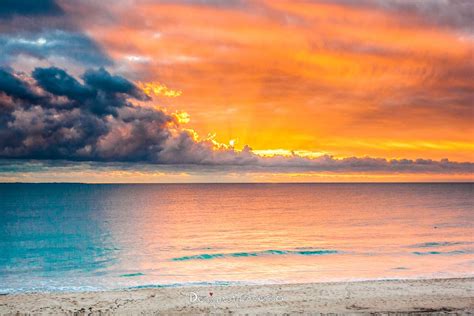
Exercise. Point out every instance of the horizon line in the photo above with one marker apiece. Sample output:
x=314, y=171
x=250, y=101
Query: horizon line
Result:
x=283, y=182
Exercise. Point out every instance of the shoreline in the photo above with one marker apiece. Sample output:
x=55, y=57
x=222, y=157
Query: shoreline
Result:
x=374, y=296
x=224, y=284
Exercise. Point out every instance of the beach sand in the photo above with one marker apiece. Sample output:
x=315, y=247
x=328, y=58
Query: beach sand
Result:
x=414, y=296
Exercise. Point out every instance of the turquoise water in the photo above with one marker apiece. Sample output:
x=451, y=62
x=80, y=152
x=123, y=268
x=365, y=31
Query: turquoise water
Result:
x=74, y=237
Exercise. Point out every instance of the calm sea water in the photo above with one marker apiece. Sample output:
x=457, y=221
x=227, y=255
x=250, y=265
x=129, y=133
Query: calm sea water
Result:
x=91, y=237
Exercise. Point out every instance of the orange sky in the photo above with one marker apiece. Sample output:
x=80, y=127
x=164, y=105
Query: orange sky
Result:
x=320, y=79
x=342, y=79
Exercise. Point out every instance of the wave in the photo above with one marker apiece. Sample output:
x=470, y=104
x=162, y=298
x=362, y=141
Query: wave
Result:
x=446, y=253
x=306, y=252
x=128, y=275
x=185, y=284
x=440, y=244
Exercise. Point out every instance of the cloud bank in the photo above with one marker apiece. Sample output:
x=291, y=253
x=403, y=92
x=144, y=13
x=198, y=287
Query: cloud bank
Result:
x=51, y=115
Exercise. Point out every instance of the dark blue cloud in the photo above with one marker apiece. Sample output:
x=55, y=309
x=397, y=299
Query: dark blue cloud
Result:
x=62, y=118
x=15, y=88
x=102, y=80
x=59, y=82
x=9, y=8
x=101, y=93
x=52, y=43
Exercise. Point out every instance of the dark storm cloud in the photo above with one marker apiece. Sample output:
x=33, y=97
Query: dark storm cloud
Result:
x=9, y=8
x=101, y=92
x=15, y=88
x=102, y=80
x=53, y=116
x=59, y=82
x=66, y=119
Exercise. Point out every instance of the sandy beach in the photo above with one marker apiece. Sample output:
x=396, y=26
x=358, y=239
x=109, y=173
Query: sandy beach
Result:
x=401, y=296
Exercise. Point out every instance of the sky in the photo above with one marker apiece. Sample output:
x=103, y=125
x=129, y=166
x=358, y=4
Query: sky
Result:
x=236, y=91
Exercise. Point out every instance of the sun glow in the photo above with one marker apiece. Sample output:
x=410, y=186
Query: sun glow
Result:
x=182, y=117
x=288, y=153
x=158, y=89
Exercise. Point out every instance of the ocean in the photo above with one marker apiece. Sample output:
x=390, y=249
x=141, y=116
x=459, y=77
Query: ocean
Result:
x=78, y=237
